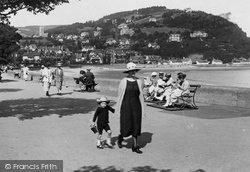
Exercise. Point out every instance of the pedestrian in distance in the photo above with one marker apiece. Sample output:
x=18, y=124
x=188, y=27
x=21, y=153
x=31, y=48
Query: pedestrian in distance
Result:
x=47, y=78
x=130, y=106
x=58, y=74
x=101, y=117
x=41, y=75
x=25, y=71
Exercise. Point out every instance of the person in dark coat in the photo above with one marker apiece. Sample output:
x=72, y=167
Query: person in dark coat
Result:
x=130, y=106
x=90, y=80
x=102, y=117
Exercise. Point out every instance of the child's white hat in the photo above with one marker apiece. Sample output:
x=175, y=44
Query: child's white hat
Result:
x=103, y=99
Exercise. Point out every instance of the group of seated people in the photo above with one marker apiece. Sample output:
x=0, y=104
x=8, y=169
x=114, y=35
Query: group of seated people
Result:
x=87, y=79
x=165, y=88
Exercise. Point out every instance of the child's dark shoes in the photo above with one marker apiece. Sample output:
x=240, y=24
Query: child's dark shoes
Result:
x=99, y=146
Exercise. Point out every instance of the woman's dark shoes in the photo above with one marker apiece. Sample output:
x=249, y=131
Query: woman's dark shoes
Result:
x=119, y=142
x=110, y=146
x=137, y=150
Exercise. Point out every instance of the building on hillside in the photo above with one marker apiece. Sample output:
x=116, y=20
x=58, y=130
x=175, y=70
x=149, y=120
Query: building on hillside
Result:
x=111, y=41
x=175, y=62
x=152, y=19
x=32, y=56
x=85, y=41
x=216, y=62
x=153, y=45
x=41, y=31
x=124, y=41
x=153, y=59
x=240, y=61
x=186, y=61
x=175, y=37
x=84, y=34
x=87, y=49
x=96, y=56
x=198, y=34
x=122, y=26
x=127, y=31
x=137, y=59
x=202, y=62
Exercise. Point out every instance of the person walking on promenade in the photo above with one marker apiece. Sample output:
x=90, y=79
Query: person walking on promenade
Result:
x=47, y=77
x=102, y=116
x=25, y=71
x=41, y=75
x=130, y=106
x=58, y=74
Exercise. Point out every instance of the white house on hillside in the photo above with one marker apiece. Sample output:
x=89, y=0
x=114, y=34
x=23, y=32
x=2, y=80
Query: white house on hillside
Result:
x=186, y=61
x=216, y=62
x=175, y=37
x=198, y=34
x=202, y=62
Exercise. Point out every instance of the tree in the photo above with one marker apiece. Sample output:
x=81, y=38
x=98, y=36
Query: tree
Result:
x=9, y=7
x=9, y=39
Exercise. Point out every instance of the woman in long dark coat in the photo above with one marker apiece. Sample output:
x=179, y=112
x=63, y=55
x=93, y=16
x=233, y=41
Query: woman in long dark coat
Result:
x=130, y=106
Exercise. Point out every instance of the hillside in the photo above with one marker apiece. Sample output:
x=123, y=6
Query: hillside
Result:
x=29, y=31
x=217, y=37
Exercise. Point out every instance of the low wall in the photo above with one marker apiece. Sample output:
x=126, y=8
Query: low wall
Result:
x=229, y=96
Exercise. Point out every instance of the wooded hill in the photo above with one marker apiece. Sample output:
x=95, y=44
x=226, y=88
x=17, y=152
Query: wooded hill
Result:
x=225, y=40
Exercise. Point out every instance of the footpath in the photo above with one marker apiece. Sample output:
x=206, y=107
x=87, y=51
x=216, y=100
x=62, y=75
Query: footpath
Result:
x=35, y=127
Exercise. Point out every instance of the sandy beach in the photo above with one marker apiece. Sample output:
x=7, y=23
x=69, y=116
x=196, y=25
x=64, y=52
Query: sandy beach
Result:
x=36, y=127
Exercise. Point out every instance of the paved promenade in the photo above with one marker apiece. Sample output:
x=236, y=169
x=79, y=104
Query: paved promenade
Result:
x=35, y=127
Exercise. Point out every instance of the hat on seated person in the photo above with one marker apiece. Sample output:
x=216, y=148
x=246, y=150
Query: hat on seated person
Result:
x=153, y=74
x=131, y=67
x=161, y=73
x=82, y=71
x=180, y=73
x=59, y=64
x=168, y=75
x=182, y=76
x=103, y=99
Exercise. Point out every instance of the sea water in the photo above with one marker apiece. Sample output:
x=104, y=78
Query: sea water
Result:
x=227, y=77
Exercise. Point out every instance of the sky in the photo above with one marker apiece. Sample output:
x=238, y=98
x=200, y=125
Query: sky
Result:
x=85, y=10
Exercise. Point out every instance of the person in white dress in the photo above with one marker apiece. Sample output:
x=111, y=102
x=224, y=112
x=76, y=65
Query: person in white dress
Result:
x=181, y=87
x=47, y=78
x=25, y=71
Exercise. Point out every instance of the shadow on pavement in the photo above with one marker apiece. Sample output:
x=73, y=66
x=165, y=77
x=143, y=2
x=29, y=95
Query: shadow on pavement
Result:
x=143, y=140
x=8, y=80
x=31, y=108
x=114, y=169
x=5, y=90
x=213, y=112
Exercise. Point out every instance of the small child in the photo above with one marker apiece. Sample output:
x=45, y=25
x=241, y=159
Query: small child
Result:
x=102, y=116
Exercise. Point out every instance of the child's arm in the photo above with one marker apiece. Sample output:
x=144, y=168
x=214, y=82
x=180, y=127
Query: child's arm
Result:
x=111, y=109
x=95, y=116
